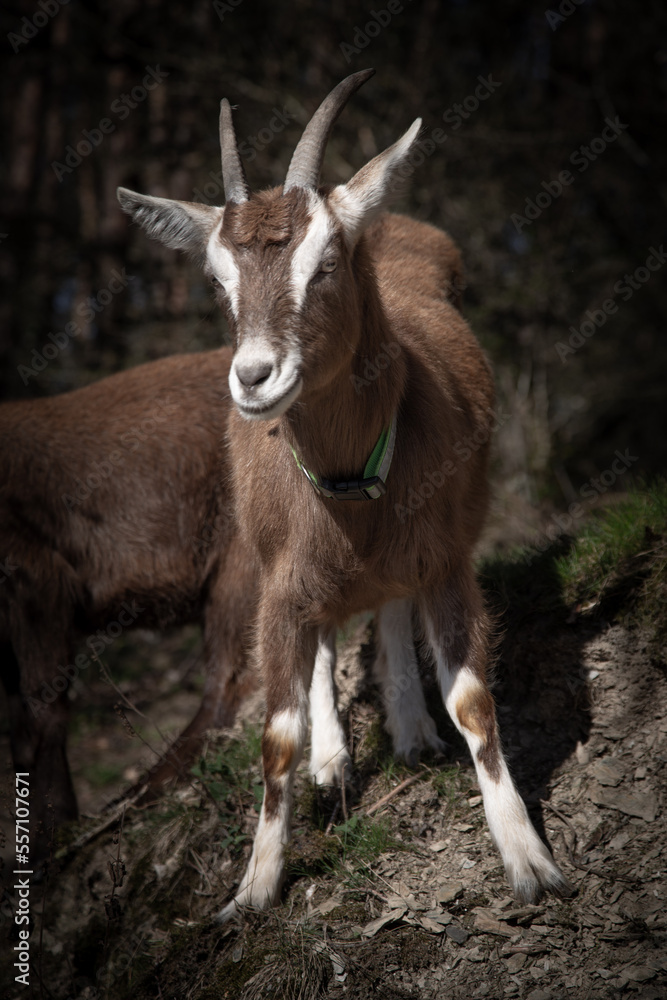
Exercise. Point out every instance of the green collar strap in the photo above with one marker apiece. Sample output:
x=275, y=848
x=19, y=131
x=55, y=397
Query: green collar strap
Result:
x=372, y=485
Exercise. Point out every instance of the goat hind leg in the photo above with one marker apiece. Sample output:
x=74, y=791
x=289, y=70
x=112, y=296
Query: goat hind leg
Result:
x=456, y=626
x=407, y=719
x=38, y=706
x=228, y=619
x=330, y=762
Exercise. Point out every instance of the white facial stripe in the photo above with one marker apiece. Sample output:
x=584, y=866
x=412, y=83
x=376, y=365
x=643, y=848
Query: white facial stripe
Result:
x=223, y=265
x=308, y=255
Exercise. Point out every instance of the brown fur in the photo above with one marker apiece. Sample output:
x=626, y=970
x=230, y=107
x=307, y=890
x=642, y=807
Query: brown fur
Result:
x=277, y=759
x=324, y=560
x=158, y=531
x=476, y=713
x=346, y=557
x=321, y=560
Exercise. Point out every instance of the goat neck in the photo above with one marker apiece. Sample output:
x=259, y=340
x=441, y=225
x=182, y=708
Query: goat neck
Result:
x=334, y=428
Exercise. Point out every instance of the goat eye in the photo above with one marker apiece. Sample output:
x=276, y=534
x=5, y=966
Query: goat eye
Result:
x=328, y=266
x=215, y=282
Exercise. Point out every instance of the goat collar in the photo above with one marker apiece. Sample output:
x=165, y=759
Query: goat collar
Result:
x=372, y=485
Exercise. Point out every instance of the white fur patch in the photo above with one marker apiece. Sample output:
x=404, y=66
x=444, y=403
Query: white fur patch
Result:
x=288, y=726
x=527, y=861
x=224, y=267
x=408, y=722
x=329, y=757
x=260, y=886
x=307, y=257
x=274, y=396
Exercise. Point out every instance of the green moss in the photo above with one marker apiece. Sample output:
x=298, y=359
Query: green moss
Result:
x=622, y=554
x=616, y=565
x=363, y=839
x=234, y=769
x=375, y=747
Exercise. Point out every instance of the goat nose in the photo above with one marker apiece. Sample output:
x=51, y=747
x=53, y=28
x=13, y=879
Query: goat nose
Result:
x=253, y=373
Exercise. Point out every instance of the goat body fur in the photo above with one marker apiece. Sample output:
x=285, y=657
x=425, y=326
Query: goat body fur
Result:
x=316, y=282
x=115, y=507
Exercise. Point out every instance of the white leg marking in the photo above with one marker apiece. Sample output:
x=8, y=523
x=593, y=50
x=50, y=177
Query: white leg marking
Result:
x=260, y=886
x=329, y=757
x=528, y=863
x=410, y=726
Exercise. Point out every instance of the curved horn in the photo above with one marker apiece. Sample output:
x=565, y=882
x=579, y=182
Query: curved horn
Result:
x=233, y=175
x=306, y=163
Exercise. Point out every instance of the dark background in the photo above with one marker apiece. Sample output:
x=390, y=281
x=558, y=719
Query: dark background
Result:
x=558, y=82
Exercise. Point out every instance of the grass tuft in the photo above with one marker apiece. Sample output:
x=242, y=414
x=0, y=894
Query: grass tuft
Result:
x=627, y=540
x=616, y=565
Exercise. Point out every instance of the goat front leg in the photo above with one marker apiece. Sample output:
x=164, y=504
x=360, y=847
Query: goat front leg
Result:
x=330, y=762
x=286, y=653
x=407, y=719
x=456, y=627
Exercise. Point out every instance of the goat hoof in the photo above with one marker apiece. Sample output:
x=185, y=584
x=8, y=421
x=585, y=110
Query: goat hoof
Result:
x=332, y=771
x=530, y=886
x=227, y=913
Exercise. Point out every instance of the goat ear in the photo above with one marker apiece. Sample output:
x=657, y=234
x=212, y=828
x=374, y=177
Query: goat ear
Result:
x=357, y=203
x=182, y=225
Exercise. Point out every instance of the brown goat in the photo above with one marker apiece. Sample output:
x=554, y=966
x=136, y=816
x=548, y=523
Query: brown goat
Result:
x=115, y=511
x=317, y=281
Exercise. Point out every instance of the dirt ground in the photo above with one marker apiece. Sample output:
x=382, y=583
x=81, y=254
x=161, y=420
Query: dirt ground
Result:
x=423, y=909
